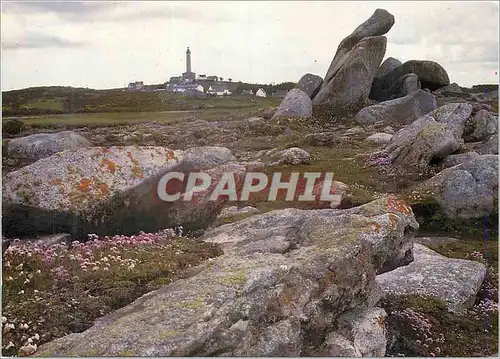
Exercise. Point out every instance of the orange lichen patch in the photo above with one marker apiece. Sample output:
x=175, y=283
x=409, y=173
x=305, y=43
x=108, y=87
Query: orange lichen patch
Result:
x=104, y=189
x=169, y=155
x=110, y=165
x=397, y=205
x=56, y=181
x=393, y=219
x=375, y=226
x=137, y=171
x=84, y=185
x=380, y=321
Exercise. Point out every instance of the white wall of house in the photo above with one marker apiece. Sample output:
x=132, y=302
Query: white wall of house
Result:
x=260, y=93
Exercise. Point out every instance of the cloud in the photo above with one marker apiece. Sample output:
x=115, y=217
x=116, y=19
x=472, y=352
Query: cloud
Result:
x=249, y=41
x=80, y=11
x=60, y=8
x=40, y=41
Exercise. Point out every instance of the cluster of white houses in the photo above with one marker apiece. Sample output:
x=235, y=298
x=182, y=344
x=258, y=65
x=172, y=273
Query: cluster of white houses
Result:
x=191, y=85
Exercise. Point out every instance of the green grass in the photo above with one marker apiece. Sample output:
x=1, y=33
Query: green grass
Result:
x=48, y=104
x=124, y=101
x=128, y=118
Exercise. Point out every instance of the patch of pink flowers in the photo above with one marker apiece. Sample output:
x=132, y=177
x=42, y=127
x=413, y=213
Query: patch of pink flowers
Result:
x=62, y=262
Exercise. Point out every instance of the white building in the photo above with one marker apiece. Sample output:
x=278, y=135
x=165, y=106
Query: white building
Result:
x=219, y=90
x=184, y=87
x=260, y=93
x=136, y=86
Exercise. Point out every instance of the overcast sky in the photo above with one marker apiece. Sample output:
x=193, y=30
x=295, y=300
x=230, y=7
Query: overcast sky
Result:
x=108, y=44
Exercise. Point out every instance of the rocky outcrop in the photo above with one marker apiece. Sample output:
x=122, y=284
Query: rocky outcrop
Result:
x=433, y=136
x=453, y=87
x=378, y=24
x=484, y=124
x=387, y=66
x=403, y=86
x=360, y=334
x=293, y=156
x=455, y=282
x=310, y=84
x=287, y=279
x=349, y=87
x=111, y=190
x=488, y=146
x=41, y=145
x=403, y=110
x=348, y=80
x=430, y=74
x=468, y=190
x=454, y=160
x=295, y=104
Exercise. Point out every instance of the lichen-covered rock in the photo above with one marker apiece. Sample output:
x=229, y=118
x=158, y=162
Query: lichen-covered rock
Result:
x=468, y=190
x=379, y=138
x=378, y=24
x=295, y=104
x=310, y=84
x=484, y=124
x=403, y=110
x=365, y=330
x=452, y=281
x=387, y=66
x=109, y=190
x=285, y=275
x=348, y=89
x=430, y=74
x=41, y=145
x=453, y=87
x=322, y=139
x=293, y=156
x=404, y=85
x=453, y=160
x=488, y=146
x=434, y=135
x=434, y=141
x=234, y=211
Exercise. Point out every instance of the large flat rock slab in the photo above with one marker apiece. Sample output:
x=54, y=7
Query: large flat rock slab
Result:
x=452, y=281
x=284, y=275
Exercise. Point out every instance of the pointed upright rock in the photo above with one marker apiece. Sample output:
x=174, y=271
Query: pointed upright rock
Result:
x=349, y=78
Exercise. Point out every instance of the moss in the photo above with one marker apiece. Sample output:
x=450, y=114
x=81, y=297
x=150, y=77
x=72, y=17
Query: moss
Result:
x=234, y=279
x=168, y=334
x=191, y=304
x=126, y=353
x=231, y=219
x=431, y=219
x=431, y=130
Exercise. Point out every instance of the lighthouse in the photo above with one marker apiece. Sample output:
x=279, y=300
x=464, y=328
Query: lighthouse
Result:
x=188, y=76
x=188, y=60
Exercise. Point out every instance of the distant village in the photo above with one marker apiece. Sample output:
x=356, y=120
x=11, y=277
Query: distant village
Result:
x=189, y=84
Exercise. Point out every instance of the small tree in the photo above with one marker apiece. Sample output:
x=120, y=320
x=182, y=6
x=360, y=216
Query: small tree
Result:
x=221, y=78
x=230, y=79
